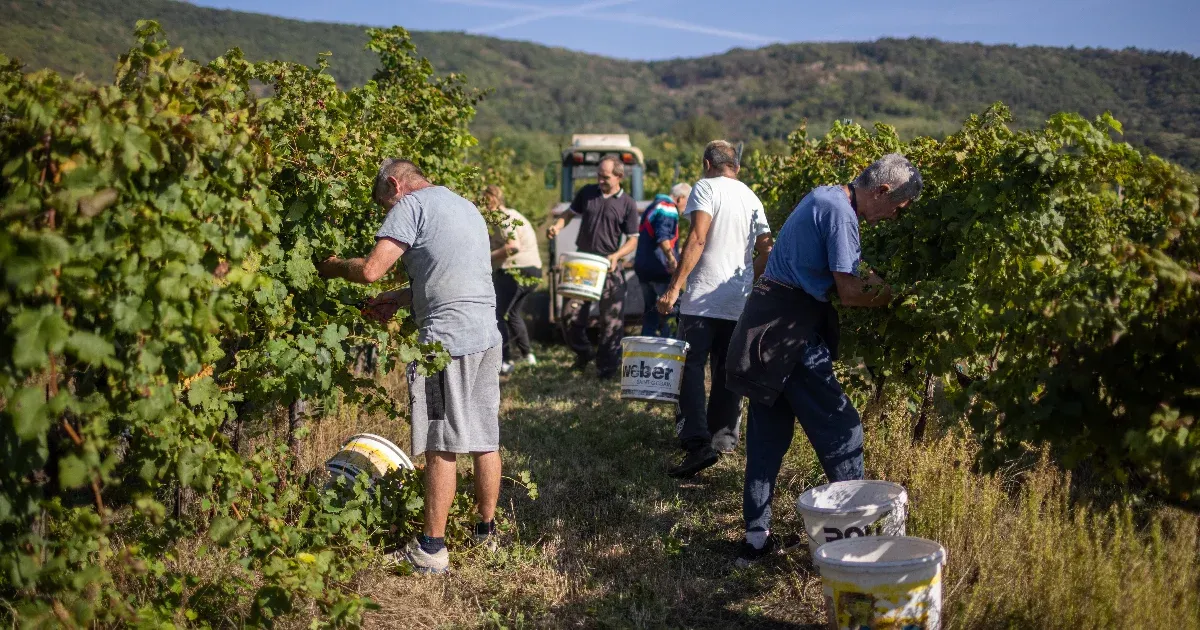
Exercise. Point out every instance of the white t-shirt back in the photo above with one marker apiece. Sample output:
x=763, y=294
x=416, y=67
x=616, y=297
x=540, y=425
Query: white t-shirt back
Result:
x=721, y=282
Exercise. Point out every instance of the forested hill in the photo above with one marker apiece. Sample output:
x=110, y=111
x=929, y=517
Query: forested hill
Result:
x=921, y=86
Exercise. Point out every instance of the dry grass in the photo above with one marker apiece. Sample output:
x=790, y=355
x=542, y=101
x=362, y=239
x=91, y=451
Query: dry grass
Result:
x=613, y=542
x=1022, y=554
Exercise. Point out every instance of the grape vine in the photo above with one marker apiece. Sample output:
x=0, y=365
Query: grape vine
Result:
x=160, y=304
x=1050, y=276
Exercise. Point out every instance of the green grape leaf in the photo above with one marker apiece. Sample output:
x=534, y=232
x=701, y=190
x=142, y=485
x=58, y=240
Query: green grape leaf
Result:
x=72, y=472
x=29, y=413
x=89, y=347
x=223, y=530
x=38, y=333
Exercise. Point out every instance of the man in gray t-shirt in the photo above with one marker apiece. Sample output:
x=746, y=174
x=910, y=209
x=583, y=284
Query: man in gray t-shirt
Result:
x=445, y=247
x=448, y=258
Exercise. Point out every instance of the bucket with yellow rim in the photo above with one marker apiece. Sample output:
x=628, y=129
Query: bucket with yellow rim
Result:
x=583, y=276
x=652, y=368
x=367, y=453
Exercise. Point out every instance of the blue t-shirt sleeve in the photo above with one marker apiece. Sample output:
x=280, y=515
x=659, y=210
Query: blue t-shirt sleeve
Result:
x=843, y=247
x=664, y=226
x=404, y=222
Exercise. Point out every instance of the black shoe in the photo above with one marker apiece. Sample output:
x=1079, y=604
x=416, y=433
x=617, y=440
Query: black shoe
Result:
x=581, y=362
x=748, y=556
x=694, y=462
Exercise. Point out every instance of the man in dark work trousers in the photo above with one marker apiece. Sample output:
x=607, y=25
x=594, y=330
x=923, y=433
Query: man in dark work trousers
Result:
x=607, y=214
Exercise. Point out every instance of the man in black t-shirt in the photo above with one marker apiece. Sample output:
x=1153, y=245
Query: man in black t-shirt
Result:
x=607, y=214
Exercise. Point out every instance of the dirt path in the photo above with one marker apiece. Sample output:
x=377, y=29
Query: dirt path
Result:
x=611, y=541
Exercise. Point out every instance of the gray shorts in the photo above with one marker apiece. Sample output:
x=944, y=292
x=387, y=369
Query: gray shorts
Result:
x=458, y=409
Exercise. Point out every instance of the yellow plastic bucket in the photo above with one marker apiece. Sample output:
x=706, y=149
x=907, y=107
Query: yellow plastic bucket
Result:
x=652, y=368
x=583, y=276
x=882, y=582
x=367, y=453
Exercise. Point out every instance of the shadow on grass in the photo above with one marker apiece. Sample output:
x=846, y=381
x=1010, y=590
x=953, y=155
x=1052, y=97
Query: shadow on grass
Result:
x=637, y=548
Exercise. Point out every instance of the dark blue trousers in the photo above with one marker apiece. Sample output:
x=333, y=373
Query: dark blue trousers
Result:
x=698, y=424
x=812, y=395
x=654, y=324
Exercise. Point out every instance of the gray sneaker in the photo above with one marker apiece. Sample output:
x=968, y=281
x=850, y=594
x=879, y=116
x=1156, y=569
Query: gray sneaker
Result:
x=423, y=562
x=487, y=541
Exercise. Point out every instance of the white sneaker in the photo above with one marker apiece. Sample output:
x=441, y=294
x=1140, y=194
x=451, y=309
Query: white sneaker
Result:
x=507, y=368
x=423, y=562
x=531, y=360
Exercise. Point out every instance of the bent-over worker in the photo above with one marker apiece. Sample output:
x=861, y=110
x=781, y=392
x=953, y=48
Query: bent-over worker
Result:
x=443, y=240
x=782, y=352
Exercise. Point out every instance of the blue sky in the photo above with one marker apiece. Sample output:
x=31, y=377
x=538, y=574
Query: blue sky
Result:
x=660, y=29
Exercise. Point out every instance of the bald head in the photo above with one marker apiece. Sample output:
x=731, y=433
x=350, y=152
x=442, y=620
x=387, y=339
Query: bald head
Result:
x=395, y=179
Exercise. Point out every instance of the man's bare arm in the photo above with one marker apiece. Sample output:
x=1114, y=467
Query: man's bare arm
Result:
x=383, y=307
x=762, y=246
x=872, y=292
x=669, y=254
x=692, y=249
x=365, y=270
x=560, y=223
x=627, y=248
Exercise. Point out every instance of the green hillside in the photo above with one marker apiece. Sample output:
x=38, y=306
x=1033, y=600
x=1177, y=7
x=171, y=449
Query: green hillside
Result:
x=921, y=86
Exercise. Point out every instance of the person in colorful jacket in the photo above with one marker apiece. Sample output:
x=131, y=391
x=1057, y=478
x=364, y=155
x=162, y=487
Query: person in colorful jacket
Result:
x=658, y=256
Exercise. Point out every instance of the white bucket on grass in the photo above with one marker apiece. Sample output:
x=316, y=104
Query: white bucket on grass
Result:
x=652, y=368
x=583, y=276
x=846, y=509
x=882, y=582
x=367, y=453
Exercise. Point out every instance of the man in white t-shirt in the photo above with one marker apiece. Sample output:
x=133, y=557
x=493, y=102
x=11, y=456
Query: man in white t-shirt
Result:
x=719, y=266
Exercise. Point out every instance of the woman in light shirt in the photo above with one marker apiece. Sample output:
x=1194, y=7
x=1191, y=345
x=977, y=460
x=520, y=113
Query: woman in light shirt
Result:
x=514, y=254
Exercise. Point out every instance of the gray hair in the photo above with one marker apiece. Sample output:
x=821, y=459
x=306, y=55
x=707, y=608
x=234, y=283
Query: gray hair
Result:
x=720, y=153
x=682, y=189
x=402, y=170
x=902, y=178
x=618, y=168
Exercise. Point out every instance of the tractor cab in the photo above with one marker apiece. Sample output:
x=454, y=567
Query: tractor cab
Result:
x=582, y=158
x=577, y=168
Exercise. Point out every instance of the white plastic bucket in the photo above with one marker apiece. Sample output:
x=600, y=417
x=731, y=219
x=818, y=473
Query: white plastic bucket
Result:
x=367, y=453
x=846, y=509
x=882, y=582
x=583, y=276
x=652, y=368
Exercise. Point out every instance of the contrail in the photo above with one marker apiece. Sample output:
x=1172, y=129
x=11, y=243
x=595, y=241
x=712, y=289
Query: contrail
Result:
x=677, y=25
x=492, y=4
x=541, y=12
